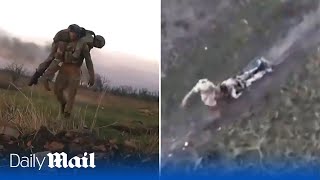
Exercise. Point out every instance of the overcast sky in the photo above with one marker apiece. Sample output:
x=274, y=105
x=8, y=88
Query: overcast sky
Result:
x=130, y=27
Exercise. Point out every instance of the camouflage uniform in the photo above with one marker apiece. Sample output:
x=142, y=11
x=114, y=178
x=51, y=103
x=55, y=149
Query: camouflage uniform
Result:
x=63, y=36
x=69, y=76
x=87, y=39
x=56, y=62
x=72, y=57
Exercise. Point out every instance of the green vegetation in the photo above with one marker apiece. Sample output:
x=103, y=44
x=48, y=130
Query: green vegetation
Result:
x=231, y=45
x=283, y=132
x=110, y=117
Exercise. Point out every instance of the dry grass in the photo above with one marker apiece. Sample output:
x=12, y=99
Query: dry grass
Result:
x=30, y=108
x=87, y=96
x=21, y=110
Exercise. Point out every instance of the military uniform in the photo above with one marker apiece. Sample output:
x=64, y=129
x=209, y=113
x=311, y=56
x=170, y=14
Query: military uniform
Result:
x=87, y=39
x=69, y=76
x=55, y=64
x=63, y=36
x=73, y=54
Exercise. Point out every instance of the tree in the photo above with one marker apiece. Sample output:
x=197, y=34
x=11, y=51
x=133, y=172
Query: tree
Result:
x=15, y=70
x=98, y=86
x=101, y=83
x=106, y=83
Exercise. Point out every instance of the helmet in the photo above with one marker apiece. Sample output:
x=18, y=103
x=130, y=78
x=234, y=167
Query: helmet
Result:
x=82, y=32
x=90, y=32
x=74, y=28
x=98, y=41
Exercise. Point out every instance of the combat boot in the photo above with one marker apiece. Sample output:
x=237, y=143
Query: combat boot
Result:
x=34, y=78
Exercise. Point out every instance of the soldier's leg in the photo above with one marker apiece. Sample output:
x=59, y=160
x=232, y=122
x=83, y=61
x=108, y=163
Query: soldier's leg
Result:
x=72, y=92
x=55, y=65
x=43, y=66
x=50, y=72
x=59, y=87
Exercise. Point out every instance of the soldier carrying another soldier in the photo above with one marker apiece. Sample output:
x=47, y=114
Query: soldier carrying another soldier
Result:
x=61, y=38
x=90, y=39
x=69, y=74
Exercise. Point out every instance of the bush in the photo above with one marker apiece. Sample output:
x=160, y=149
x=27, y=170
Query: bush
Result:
x=102, y=83
x=15, y=70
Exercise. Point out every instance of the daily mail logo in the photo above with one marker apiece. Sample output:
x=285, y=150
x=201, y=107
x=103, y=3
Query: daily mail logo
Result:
x=55, y=160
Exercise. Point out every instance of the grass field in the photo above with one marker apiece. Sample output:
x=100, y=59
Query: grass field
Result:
x=284, y=134
x=118, y=118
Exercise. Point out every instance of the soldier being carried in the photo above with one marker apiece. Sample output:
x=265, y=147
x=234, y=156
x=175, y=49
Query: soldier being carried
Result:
x=60, y=40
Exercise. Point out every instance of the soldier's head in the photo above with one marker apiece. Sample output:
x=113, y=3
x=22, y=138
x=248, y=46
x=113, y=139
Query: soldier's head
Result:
x=74, y=31
x=204, y=85
x=98, y=41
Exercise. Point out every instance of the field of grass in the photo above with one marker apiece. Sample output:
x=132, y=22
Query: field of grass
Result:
x=284, y=133
x=110, y=117
x=231, y=45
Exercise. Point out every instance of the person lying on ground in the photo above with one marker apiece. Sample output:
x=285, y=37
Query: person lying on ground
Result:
x=233, y=87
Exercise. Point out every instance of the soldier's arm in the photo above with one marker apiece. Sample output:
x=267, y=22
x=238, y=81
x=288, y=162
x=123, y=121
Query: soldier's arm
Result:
x=83, y=41
x=234, y=93
x=186, y=98
x=89, y=63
